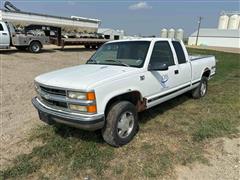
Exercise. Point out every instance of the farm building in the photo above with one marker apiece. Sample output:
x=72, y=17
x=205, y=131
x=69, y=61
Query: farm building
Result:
x=216, y=37
x=111, y=33
x=227, y=34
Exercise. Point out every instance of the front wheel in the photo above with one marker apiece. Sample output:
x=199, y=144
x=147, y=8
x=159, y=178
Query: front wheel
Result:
x=121, y=124
x=35, y=47
x=202, y=88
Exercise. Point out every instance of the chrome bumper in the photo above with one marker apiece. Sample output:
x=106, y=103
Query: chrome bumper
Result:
x=51, y=116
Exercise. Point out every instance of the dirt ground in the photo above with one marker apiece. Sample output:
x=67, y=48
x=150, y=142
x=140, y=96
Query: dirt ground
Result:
x=18, y=117
x=224, y=162
x=18, y=70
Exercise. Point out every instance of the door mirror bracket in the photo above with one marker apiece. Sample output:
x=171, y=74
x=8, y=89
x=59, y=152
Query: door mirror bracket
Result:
x=158, y=67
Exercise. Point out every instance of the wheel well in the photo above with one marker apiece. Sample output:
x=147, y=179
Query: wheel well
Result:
x=134, y=97
x=206, y=73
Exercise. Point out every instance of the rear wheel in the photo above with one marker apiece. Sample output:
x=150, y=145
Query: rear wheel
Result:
x=201, y=90
x=94, y=47
x=35, y=47
x=121, y=124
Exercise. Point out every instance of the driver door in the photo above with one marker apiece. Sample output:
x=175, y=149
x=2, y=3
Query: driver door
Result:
x=162, y=80
x=4, y=35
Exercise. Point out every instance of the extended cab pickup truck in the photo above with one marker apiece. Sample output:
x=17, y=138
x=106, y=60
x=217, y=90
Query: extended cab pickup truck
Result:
x=121, y=79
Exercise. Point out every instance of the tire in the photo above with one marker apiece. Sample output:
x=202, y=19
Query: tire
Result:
x=35, y=47
x=94, y=47
x=116, y=132
x=202, y=88
x=21, y=48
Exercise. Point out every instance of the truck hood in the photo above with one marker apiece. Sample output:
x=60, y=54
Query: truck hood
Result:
x=83, y=76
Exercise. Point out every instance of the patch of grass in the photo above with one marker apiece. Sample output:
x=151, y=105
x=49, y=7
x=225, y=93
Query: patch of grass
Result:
x=189, y=153
x=23, y=165
x=214, y=128
x=63, y=146
x=119, y=169
x=158, y=165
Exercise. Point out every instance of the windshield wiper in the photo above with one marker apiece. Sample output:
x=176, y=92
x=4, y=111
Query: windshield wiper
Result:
x=117, y=61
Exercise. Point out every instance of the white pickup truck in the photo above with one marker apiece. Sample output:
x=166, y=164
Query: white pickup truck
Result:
x=121, y=79
x=22, y=41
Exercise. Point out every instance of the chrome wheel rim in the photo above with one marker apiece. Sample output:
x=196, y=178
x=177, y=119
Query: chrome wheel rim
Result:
x=125, y=124
x=203, y=88
x=35, y=48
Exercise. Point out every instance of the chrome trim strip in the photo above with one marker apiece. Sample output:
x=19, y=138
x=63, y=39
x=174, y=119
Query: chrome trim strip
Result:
x=61, y=88
x=39, y=105
x=65, y=99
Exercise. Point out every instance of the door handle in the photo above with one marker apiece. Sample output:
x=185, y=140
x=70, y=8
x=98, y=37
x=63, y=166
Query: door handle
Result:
x=4, y=34
x=176, y=71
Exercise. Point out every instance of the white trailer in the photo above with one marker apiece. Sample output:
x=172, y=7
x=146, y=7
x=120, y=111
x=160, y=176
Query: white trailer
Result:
x=80, y=30
x=79, y=24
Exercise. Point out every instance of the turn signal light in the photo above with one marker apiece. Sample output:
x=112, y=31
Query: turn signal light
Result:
x=91, y=96
x=92, y=109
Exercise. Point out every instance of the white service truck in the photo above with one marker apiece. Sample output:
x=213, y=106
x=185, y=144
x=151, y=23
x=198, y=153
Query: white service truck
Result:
x=121, y=79
x=22, y=41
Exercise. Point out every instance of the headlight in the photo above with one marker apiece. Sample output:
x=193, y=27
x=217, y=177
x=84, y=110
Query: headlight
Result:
x=77, y=95
x=81, y=95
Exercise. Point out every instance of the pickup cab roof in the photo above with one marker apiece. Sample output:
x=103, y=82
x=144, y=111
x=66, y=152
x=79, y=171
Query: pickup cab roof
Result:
x=144, y=39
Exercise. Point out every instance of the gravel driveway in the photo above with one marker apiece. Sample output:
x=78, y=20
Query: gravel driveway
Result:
x=18, y=70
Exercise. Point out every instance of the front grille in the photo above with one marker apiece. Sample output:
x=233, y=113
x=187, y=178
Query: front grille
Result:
x=54, y=103
x=53, y=91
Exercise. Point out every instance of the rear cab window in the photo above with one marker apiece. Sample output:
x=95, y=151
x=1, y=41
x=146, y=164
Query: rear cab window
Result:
x=1, y=27
x=179, y=52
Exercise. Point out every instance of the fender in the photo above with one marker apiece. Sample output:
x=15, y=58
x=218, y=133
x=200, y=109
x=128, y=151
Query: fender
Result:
x=116, y=93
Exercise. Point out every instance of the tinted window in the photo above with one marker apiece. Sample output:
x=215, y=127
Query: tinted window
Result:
x=131, y=53
x=1, y=27
x=162, y=54
x=179, y=51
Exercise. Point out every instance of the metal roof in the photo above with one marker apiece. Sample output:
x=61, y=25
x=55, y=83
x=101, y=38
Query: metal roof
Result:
x=229, y=33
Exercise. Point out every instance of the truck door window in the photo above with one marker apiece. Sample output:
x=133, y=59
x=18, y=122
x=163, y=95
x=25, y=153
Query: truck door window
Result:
x=179, y=51
x=1, y=27
x=162, y=53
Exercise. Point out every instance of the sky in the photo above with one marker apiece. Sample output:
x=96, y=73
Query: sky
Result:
x=137, y=17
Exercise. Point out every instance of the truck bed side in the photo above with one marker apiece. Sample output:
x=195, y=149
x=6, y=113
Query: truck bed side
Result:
x=200, y=64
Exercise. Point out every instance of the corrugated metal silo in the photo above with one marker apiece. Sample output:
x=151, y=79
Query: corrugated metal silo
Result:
x=223, y=22
x=233, y=22
x=163, y=33
x=179, y=34
x=171, y=33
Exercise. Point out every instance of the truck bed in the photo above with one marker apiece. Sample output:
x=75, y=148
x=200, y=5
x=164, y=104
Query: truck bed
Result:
x=198, y=57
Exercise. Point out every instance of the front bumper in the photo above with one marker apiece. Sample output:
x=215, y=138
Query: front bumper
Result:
x=51, y=116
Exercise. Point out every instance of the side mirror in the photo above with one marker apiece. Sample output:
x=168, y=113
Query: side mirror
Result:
x=158, y=67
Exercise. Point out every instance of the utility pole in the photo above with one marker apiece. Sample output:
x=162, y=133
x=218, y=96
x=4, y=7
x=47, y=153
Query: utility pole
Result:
x=199, y=25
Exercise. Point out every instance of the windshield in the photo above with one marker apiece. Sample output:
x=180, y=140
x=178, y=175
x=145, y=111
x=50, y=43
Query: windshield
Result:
x=127, y=53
